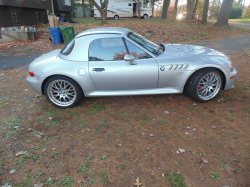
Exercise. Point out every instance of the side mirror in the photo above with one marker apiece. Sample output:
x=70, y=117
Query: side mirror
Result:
x=130, y=58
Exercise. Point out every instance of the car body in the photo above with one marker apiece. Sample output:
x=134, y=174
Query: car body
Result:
x=112, y=61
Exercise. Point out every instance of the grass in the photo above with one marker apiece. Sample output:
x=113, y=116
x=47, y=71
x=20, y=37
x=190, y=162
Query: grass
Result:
x=215, y=176
x=82, y=169
x=247, y=21
x=121, y=166
x=175, y=179
x=98, y=21
x=65, y=181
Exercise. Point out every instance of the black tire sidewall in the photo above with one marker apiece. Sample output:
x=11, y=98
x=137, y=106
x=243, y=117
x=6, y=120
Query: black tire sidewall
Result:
x=78, y=90
x=145, y=17
x=193, y=81
x=116, y=17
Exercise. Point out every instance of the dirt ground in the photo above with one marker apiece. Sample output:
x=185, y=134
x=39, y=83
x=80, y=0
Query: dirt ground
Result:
x=111, y=141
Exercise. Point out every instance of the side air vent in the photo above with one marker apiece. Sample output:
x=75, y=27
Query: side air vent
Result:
x=176, y=67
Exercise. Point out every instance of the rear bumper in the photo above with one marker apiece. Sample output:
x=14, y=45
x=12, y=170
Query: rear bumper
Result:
x=35, y=83
x=229, y=80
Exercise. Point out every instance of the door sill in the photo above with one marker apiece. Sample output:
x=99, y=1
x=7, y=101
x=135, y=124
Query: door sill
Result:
x=153, y=91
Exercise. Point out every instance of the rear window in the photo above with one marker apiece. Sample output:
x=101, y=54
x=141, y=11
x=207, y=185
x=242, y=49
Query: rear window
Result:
x=66, y=50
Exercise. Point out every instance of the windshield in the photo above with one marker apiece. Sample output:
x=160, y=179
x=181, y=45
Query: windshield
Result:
x=152, y=47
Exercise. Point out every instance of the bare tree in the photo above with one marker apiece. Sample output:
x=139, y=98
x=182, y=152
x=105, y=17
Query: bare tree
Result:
x=139, y=9
x=224, y=13
x=83, y=9
x=195, y=9
x=175, y=9
x=165, y=9
x=218, y=9
x=205, y=11
x=102, y=9
x=190, y=9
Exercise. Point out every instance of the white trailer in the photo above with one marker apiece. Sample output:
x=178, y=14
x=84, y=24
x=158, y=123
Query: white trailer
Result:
x=125, y=9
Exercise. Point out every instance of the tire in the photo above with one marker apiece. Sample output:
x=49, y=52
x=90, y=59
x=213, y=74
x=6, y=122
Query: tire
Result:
x=204, y=85
x=62, y=92
x=145, y=16
x=116, y=17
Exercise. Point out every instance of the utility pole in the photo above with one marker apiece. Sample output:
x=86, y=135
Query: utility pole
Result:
x=52, y=6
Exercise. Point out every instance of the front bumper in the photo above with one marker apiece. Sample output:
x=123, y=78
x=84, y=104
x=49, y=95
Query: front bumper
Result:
x=229, y=80
x=35, y=83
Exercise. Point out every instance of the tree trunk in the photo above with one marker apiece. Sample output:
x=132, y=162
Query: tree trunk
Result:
x=195, y=8
x=103, y=18
x=102, y=10
x=152, y=4
x=205, y=11
x=211, y=10
x=175, y=9
x=190, y=9
x=218, y=9
x=90, y=7
x=224, y=13
x=83, y=9
x=165, y=9
x=139, y=9
x=105, y=12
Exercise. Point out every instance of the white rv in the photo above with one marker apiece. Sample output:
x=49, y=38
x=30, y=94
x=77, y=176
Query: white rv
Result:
x=126, y=8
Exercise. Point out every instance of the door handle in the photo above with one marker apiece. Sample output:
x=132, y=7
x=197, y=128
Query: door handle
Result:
x=98, y=69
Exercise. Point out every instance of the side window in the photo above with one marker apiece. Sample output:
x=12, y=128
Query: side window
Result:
x=136, y=51
x=107, y=49
x=66, y=50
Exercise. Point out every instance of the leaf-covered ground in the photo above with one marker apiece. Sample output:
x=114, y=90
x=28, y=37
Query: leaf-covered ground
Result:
x=110, y=141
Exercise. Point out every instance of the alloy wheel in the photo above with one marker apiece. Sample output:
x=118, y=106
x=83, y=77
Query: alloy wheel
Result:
x=61, y=92
x=208, y=86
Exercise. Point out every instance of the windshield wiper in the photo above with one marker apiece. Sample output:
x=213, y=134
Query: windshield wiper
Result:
x=161, y=48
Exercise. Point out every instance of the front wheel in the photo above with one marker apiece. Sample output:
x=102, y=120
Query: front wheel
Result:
x=116, y=17
x=62, y=92
x=204, y=85
x=145, y=16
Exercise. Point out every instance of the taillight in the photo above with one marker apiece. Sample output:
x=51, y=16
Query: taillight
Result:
x=31, y=74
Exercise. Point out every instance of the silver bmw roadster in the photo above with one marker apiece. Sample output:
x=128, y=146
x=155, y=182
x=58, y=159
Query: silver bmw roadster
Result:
x=118, y=62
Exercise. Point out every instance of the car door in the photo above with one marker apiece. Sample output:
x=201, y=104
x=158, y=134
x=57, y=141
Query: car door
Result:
x=109, y=71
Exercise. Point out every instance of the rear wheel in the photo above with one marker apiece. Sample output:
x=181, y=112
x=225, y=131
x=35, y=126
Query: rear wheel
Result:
x=62, y=92
x=145, y=16
x=116, y=17
x=204, y=85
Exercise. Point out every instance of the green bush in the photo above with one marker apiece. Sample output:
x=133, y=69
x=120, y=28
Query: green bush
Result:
x=236, y=13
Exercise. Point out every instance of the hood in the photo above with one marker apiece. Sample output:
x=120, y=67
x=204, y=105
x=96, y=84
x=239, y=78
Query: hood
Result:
x=194, y=56
x=182, y=50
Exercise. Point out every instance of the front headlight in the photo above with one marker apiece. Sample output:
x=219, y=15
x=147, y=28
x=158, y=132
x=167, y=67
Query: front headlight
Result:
x=230, y=68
